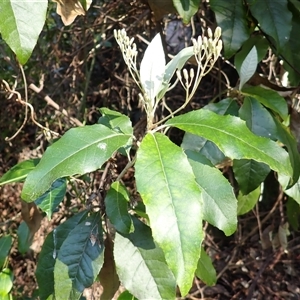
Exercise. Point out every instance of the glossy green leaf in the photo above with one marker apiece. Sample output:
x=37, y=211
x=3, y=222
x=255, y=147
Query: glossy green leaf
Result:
x=219, y=204
x=232, y=18
x=20, y=25
x=45, y=267
x=268, y=98
x=153, y=68
x=51, y=199
x=226, y=106
x=203, y=146
x=247, y=202
x=249, y=174
x=79, y=151
x=248, y=67
x=141, y=265
x=258, y=118
x=6, y=283
x=79, y=259
x=205, y=269
x=23, y=238
x=167, y=185
x=116, y=204
x=186, y=9
x=19, y=172
x=115, y=120
x=234, y=139
x=5, y=245
x=274, y=19
x=126, y=296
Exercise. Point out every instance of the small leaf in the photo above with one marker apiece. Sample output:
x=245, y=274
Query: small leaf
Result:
x=5, y=245
x=80, y=258
x=116, y=203
x=51, y=199
x=232, y=18
x=294, y=192
x=6, y=283
x=186, y=9
x=247, y=202
x=248, y=67
x=274, y=19
x=141, y=265
x=81, y=150
x=219, y=205
x=205, y=269
x=268, y=98
x=70, y=9
x=249, y=174
x=171, y=198
x=20, y=25
x=293, y=213
x=226, y=106
x=126, y=296
x=23, y=238
x=45, y=267
x=233, y=138
x=153, y=68
x=19, y=172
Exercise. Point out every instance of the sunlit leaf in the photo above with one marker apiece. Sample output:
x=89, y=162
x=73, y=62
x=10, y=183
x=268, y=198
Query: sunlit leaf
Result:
x=186, y=8
x=6, y=283
x=171, y=198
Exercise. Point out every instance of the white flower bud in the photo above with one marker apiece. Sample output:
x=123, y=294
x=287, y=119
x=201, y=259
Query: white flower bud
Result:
x=209, y=33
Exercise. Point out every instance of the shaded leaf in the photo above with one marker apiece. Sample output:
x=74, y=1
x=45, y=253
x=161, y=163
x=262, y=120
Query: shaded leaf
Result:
x=219, y=205
x=70, y=9
x=19, y=172
x=80, y=258
x=45, y=266
x=20, y=25
x=153, y=68
x=247, y=202
x=226, y=106
x=234, y=139
x=293, y=213
x=268, y=98
x=5, y=245
x=51, y=199
x=79, y=151
x=23, y=238
x=141, y=265
x=205, y=269
x=249, y=174
x=161, y=8
x=186, y=9
x=116, y=204
x=171, y=198
x=231, y=17
x=274, y=19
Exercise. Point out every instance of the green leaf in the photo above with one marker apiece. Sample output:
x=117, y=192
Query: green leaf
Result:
x=293, y=213
x=20, y=25
x=226, y=106
x=205, y=269
x=268, y=98
x=23, y=238
x=51, y=199
x=115, y=120
x=6, y=283
x=45, y=267
x=232, y=18
x=171, y=198
x=153, y=68
x=233, y=138
x=219, y=205
x=203, y=146
x=81, y=150
x=5, y=245
x=141, y=265
x=247, y=202
x=116, y=203
x=248, y=67
x=258, y=118
x=186, y=9
x=126, y=296
x=274, y=19
x=249, y=174
x=294, y=192
x=19, y=172
x=80, y=258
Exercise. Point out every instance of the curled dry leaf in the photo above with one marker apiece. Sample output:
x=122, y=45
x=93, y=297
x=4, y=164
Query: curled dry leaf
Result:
x=70, y=9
